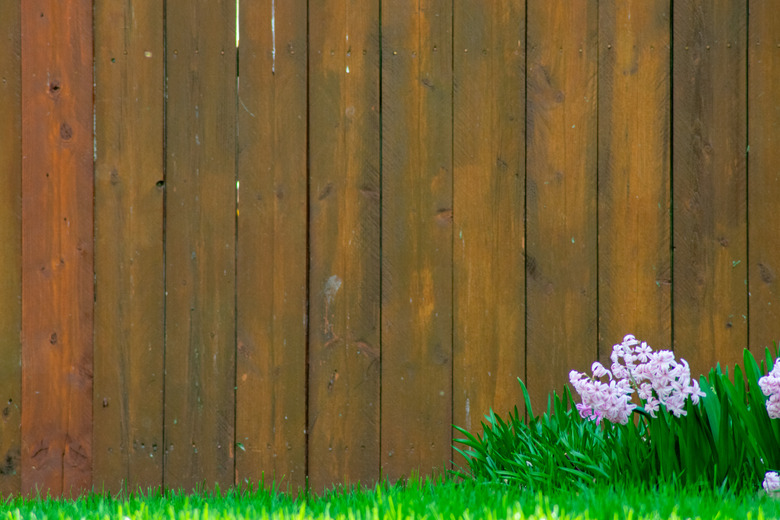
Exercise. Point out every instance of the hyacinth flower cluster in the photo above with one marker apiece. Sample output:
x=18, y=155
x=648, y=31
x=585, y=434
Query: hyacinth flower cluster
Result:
x=656, y=376
x=770, y=385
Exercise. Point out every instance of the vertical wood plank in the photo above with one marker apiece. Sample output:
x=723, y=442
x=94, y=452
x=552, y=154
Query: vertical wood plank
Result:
x=200, y=244
x=562, y=193
x=11, y=251
x=344, y=248
x=764, y=173
x=271, y=297
x=57, y=303
x=129, y=299
x=488, y=192
x=634, y=187
x=710, y=227
x=416, y=237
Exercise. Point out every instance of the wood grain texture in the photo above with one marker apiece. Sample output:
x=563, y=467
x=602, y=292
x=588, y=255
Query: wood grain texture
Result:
x=271, y=363
x=129, y=268
x=57, y=292
x=11, y=251
x=763, y=173
x=562, y=193
x=488, y=193
x=710, y=183
x=344, y=366
x=416, y=237
x=634, y=186
x=200, y=244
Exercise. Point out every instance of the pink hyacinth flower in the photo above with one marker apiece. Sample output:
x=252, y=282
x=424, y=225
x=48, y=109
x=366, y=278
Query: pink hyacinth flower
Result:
x=771, y=482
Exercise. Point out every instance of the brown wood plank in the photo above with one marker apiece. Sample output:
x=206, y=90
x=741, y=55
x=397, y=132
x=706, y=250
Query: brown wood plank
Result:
x=764, y=173
x=344, y=366
x=416, y=308
x=488, y=191
x=710, y=214
x=271, y=363
x=200, y=244
x=11, y=251
x=634, y=187
x=57, y=303
x=562, y=193
x=129, y=303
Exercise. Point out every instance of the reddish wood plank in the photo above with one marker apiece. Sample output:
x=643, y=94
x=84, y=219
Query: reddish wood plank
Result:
x=562, y=193
x=57, y=277
x=416, y=237
x=11, y=251
x=634, y=187
x=129, y=304
x=488, y=192
x=710, y=214
x=271, y=364
x=764, y=173
x=344, y=248
x=200, y=219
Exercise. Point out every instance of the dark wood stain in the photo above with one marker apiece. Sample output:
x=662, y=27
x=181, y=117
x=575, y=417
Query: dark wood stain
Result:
x=710, y=231
x=200, y=248
x=129, y=306
x=763, y=190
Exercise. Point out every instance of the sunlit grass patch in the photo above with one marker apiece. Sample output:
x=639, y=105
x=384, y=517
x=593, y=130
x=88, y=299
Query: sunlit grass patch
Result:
x=418, y=499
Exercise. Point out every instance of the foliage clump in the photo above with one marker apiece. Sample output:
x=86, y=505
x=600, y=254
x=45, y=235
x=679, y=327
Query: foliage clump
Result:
x=644, y=421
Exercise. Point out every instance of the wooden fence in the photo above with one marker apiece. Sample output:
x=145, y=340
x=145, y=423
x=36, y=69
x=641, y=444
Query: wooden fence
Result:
x=436, y=198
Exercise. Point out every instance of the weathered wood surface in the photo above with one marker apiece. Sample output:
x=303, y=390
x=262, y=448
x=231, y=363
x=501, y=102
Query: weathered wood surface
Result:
x=488, y=209
x=634, y=191
x=710, y=183
x=381, y=249
x=57, y=277
x=561, y=265
x=200, y=220
x=271, y=262
x=11, y=250
x=344, y=231
x=763, y=102
x=129, y=268
x=416, y=414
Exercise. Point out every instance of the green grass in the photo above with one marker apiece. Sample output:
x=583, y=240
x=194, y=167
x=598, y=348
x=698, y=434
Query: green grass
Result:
x=417, y=499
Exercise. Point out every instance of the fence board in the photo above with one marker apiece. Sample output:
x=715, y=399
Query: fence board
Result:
x=57, y=278
x=562, y=193
x=271, y=297
x=200, y=244
x=11, y=251
x=488, y=193
x=129, y=299
x=710, y=227
x=634, y=187
x=344, y=245
x=764, y=173
x=416, y=236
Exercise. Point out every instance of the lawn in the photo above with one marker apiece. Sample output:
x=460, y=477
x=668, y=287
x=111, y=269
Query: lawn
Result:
x=444, y=499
